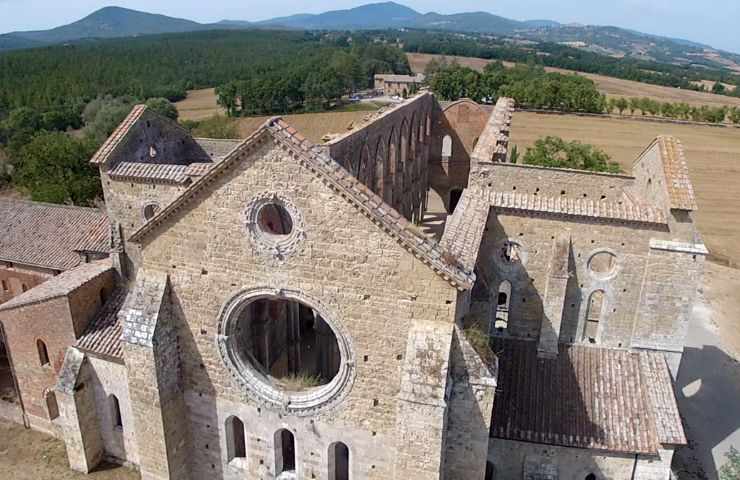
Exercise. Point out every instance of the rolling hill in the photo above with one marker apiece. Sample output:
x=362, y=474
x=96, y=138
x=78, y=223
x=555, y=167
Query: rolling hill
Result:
x=111, y=22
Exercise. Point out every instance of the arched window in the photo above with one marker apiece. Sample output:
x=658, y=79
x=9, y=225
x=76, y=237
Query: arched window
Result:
x=115, y=410
x=284, y=451
x=24, y=287
x=338, y=461
x=380, y=172
x=43, y=352
x=447, y=146
x=503, y=301
x=236, y=443
x=51, y=404
x=593, y=316
x=455, y=196
x=590, y=476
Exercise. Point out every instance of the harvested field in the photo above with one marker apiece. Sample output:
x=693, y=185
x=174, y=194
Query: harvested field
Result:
x=199, y=105
x=312, y=125
x=30, y=455
x=713, y=154
x=613, y=87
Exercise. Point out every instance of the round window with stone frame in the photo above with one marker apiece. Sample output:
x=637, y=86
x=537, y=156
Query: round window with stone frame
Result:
x=286, y=350
x=602, y=264
x=510, y=254
x=149, y=210
x=274, y=224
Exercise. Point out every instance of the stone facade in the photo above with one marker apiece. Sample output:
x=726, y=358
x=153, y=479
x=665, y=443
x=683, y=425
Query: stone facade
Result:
x=272, y=308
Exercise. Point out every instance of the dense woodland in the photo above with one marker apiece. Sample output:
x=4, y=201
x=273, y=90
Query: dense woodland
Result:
x=88, y=88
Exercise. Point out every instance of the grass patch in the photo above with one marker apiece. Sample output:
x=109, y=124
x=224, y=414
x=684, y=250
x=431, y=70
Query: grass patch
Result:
x=357, y=107
x=478, y=337
x=300, y=381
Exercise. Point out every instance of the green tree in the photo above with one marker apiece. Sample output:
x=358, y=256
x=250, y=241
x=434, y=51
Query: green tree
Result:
x=54, y=167
x=718, y=88
x=731, y=469
x=622, y=104
x=103, y=115
x=163, y=107
x=556, y=152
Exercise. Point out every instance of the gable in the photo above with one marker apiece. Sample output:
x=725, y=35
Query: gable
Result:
x=148, y=138
x=296, y=150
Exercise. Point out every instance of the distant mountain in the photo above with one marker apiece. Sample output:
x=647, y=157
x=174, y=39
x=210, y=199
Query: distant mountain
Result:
x=113, y=22
x=374, y=15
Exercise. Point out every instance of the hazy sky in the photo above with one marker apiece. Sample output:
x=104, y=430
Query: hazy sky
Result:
x=714, y=22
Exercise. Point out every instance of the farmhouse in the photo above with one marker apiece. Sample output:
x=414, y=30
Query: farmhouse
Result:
x=398, y=302
x=401, y=85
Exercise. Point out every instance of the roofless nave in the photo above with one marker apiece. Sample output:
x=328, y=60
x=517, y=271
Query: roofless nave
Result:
x=271, y=308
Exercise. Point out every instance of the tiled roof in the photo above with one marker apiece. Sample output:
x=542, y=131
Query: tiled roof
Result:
x=662, y=398
x=343, y=182
x=576, y=207
x=678, y=183
x=464, y=229
x=50, y=236
x=587, y=397
x=103, y=333
x=150, y=172
x=118, y=135
x=60, y=285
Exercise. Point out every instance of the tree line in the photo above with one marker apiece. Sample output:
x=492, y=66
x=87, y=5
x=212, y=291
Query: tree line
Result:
x=529, y=85
x=674, y=110
x=550, y=54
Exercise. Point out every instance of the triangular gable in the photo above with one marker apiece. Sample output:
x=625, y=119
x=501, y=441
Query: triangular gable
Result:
x=677, y=182
x=337, y=178
x=116, y=138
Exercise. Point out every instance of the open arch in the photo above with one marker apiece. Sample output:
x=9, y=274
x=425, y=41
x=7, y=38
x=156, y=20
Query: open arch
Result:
x=115, y=409
x=429, y=125
x=236, y=444
x=338, y=461
x=364, y=170
x=52, y=407
x=455, y=195
x=594, y=311
x=43, y=352
x=7, y=379
x=446, y=147
x=379, y=171
x=284, y=451
x=392, y=168
x=503, y=302
x=490, y=470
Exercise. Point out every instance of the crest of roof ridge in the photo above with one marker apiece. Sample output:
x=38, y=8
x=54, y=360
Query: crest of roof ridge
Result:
x=678, y=184
x=118, y=135
x=51, y=236
x=340, y=180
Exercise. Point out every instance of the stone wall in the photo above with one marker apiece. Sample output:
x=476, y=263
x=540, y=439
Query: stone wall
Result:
x=463, y=123
x=513, y=460
x=374, y=288
x=14, y=277
x=558, y=182
x=390, y=154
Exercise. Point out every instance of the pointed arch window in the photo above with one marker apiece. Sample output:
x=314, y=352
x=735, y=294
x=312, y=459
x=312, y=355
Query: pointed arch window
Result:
x=236, y=443
x=115, y=408
x=503, y=301
x=338, y=461
x=43, y=353
x=284, y=451
x=594, y=312
x=446, y=146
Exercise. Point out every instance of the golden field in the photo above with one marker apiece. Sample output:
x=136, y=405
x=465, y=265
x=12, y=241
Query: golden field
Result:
x=713, y=154
x=612, y=87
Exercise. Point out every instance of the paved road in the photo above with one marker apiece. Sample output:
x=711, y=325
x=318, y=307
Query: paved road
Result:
x=708, y=390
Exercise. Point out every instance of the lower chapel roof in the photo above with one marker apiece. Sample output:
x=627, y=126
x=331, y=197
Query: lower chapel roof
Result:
x=50, y=236
x=103, y=333
x=588, y=397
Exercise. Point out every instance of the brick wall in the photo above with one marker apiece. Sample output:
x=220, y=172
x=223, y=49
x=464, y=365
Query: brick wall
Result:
x=13, y=278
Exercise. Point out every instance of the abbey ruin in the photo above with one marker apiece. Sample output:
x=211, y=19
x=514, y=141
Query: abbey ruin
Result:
x=398, y=302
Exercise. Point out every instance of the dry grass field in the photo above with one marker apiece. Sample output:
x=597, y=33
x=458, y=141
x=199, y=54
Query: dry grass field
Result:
x=312, y=125
x=613, y=87
x=199, y=105
x=713, y=154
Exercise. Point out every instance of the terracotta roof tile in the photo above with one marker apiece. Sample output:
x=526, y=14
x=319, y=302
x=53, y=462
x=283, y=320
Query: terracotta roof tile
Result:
x=587, y=208
x=50, y=236
x=464, y=229
x=103, y=333
x=60, y=285
x=678, y=183
x=587, y=397
x=118, y=135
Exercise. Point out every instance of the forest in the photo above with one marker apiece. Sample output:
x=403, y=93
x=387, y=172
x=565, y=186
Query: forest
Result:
x=88, y=88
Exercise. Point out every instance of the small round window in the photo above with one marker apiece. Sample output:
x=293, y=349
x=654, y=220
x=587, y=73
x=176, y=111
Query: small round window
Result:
x=275, y=225
x=274, y=219
x=602, y=264
x=150, y=210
